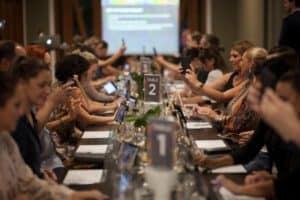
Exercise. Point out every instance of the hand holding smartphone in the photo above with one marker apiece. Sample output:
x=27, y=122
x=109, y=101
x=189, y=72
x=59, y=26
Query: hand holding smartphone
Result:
x=110, y=87
x=120, y=114
x=267, y=79
x=185, y=63
x=154, y=51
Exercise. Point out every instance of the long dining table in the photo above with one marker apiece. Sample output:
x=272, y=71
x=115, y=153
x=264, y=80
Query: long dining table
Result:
x=107, y=163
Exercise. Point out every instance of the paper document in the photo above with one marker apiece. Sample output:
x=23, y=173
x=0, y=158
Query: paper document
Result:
x=83, y=177
x=210, y=144
x=234, y=169
x=95, y=134
x=227, y=195
x=92, y=149
x=198, y=125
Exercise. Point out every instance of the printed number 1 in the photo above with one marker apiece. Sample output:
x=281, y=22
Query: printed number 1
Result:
x=162, y=144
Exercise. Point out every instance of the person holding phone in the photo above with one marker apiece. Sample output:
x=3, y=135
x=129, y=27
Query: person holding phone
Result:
x=285, y=158
x=92, y=85
x=238, y=116
x=281, y=111
x=229, y=80
x=87, y=114
x=210, y=66
x=106, y=62
x=279, y=114
x=21, y=183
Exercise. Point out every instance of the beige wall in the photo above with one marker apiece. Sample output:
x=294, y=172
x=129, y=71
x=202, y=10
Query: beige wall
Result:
x=37, y=18
x=256, y=20
x=224, y=22
x=250, y=23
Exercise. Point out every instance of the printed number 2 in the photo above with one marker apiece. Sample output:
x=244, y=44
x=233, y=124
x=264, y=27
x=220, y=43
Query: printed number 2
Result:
x=162, y=144
x=152, y=89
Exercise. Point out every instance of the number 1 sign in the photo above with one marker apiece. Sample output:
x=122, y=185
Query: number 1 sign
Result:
x=152, y=88
x=161, y=143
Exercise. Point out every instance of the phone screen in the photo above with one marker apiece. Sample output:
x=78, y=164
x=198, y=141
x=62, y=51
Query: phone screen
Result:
x=185, y=63
x=126, y=67
x=128, y=154
x=132, y=101
x=110, y=88
x=124, y=182
x=154, y=51
x=121, y=113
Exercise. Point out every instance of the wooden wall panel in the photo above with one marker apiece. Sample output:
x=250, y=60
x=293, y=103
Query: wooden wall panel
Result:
x=12, y=12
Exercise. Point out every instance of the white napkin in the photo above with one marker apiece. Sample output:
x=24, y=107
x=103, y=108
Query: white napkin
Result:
x=92, y=149
x=83, y=177
x=96, y=134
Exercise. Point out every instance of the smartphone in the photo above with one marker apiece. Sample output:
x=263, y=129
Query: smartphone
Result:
x=126, y=67
x=267, y=79
x=132, y=101
x=185, y=63
x=154, y=51
x=110, y=87
x=120, y=115
x=125, y=180
x=123, y=42
x=127, y=155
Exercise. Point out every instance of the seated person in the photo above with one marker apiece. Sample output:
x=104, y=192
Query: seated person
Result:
x=208, y=63
x=90, y=84
x=286, y=160
x=17, y=179
x=36, y=79
x=100, y=51
x=86, y=114
x=238, y=116
x=213, y=90
x=231, y=79
x=263, y=183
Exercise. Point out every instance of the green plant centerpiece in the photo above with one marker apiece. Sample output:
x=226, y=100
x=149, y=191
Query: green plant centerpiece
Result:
x=141, y=121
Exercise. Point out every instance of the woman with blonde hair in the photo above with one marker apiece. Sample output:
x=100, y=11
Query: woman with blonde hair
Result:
x=238, y=115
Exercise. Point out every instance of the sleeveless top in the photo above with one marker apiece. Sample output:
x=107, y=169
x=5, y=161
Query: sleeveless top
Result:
x=229, y=83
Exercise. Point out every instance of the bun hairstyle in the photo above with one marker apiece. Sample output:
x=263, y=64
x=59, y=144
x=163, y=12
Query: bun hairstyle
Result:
x=7, y=86
x=256, y=54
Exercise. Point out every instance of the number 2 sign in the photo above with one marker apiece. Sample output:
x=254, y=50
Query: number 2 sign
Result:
x=152, y=87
